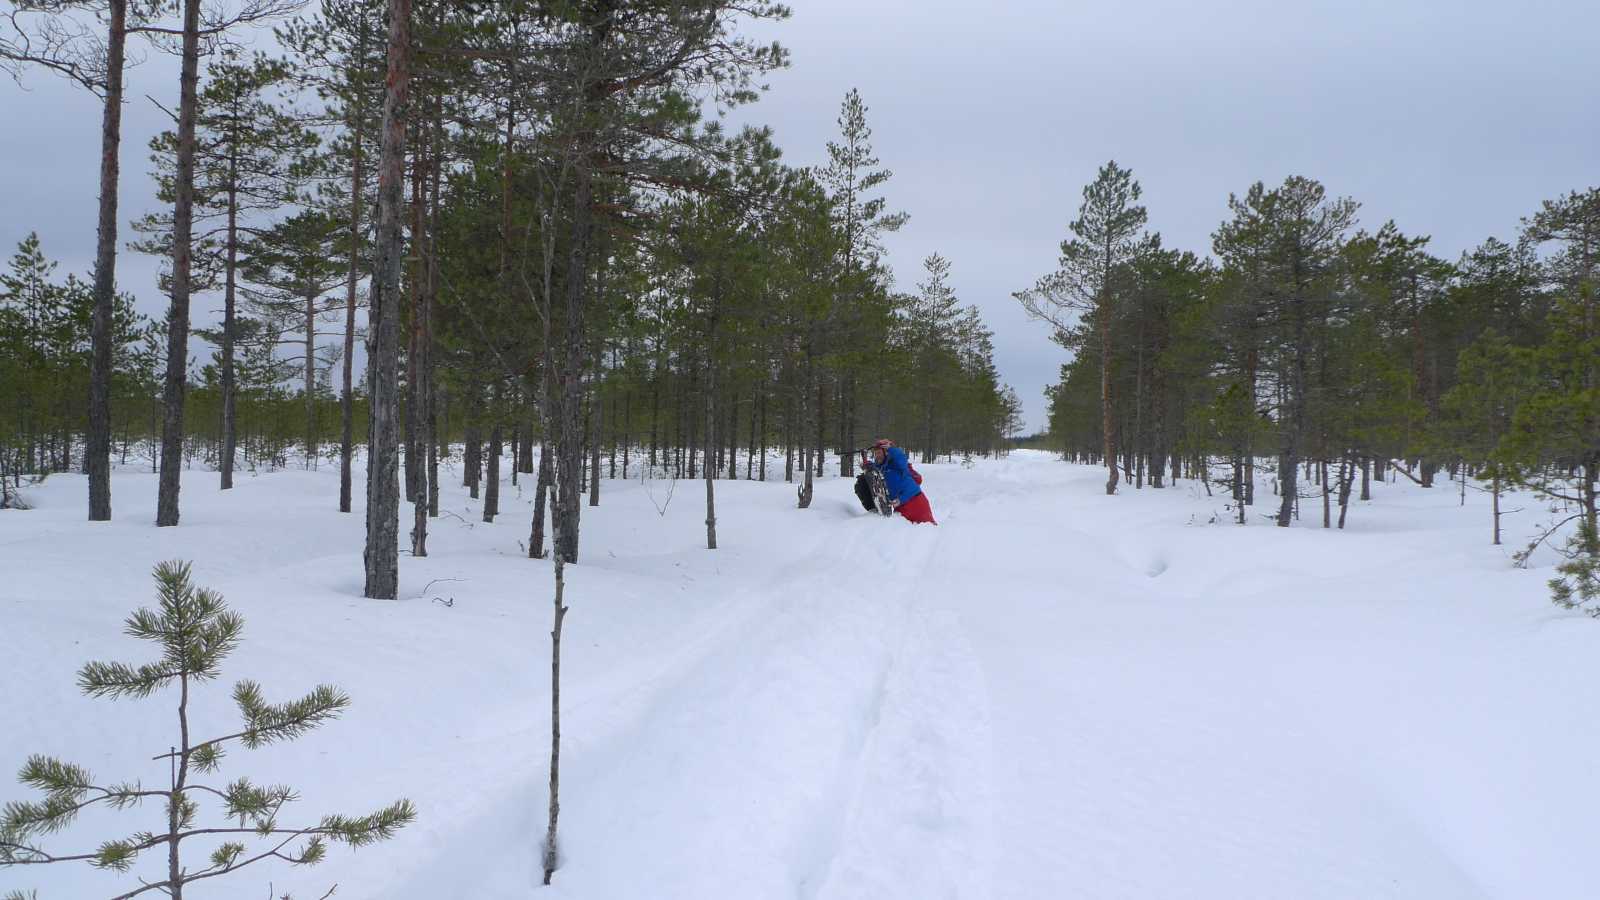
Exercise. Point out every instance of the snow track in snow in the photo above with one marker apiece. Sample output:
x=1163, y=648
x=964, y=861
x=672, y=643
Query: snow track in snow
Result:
x=1053, y=694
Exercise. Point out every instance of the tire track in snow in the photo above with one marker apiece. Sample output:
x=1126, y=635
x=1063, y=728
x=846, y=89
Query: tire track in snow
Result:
x=919, y=816
x=740, y=768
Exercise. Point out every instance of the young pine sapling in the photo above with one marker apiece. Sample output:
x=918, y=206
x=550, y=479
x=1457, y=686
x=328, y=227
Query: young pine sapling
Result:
x=195, y=631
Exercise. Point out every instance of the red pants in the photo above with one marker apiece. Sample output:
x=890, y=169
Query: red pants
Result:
x=917, y=510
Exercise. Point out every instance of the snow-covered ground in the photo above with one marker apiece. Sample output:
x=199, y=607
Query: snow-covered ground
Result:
x=1053, y=694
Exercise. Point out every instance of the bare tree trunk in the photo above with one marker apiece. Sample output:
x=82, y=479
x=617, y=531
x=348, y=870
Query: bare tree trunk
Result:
x=1495, y=494
x=750, y=455
x=1347, y=477
x=415, y=290
x=311, y=379
x=762, y=468
x=541, y=494
x=182, y=259
x=596, y=424
x=472, y=452
x=98, y=440
x=347, y=403
x=1107, y=423
x=383, y=341
x=525, y=454
x=710, y=470
x=551, y=854
x=1322, y=474
x=821, y=422
x=491, y=493
x=229, y=320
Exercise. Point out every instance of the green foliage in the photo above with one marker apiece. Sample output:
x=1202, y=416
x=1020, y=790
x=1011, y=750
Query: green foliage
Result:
x=1577, y=583
x=195, y=632
x=44, y=361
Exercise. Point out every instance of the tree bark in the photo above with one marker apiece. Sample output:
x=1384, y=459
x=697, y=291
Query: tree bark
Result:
x=182, y=261
x=229, y=323
x=710, y=469
x=98, y=440
x=541, y=494
x=491, y=492
x=347, y=403
x=311, y=379
x=1107, y=423
x=383, y=342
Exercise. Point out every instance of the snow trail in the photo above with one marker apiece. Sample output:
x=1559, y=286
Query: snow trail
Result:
x=1052, y=694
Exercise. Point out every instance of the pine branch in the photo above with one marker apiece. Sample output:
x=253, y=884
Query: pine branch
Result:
x=267, y=724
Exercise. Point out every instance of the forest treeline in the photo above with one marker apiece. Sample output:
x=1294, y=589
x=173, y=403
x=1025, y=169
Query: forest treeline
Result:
x=531, y=215
x=1332, y=355
x=700, y=308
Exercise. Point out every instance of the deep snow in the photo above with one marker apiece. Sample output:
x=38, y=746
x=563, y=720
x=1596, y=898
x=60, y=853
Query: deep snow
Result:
x=1052, y=694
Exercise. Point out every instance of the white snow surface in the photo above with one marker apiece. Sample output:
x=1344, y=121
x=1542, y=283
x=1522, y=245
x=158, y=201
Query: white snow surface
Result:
x=1054, y=693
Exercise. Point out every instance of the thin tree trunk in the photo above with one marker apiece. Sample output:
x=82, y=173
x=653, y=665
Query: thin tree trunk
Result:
x=1347, y=477
x=596, y=425
x=710, y=470
x=416, y=288
x=491, y=493
x=98, y=440
x=1322, y=474
x=182, y=260
x=1495, y=494
x=311, y=379
x=229, y=323
x=347, y=403
x=551, y=854
x=541, y=492
x=1107, y=423
x=383, y=342
x=750, y=455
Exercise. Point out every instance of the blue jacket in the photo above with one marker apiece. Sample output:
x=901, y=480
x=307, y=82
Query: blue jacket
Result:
x=897, y=475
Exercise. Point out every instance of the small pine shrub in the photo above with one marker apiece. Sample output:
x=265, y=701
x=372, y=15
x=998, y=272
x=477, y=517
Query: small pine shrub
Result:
x=195, y=631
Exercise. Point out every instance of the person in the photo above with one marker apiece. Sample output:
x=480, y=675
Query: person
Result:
x=902, y=480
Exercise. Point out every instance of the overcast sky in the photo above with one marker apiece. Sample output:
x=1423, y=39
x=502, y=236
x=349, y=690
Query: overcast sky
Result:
x=1453, y=117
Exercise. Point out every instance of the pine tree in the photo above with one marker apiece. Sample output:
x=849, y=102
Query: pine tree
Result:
x=851, y=177
x=1105, y=238
x=196, y=632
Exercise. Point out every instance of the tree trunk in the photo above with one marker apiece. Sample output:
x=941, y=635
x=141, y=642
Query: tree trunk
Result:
x=762, y=468
x=550, y=850
x=596, y=424
x=569, y=429
x=347, y=403
x=182, y=260
x=415, y=290
x=541, y=492
x=98, y=440
x=711, y=472
x=229, y=323
x=311, y=379
x=491, y=492
x=1494, y=487
x=383, y=341
x=1107, y=423
x=1346, y=481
